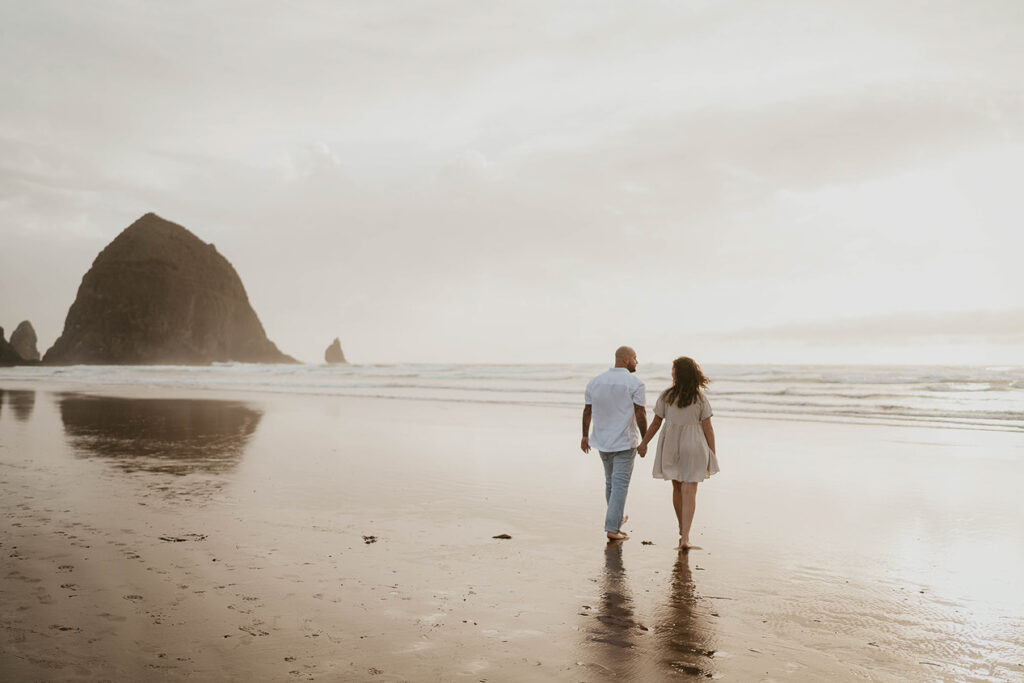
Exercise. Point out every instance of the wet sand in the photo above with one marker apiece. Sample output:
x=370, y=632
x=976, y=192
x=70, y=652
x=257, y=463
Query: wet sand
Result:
x=175, y=535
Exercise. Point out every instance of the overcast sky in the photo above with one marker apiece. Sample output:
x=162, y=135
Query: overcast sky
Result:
x=537, y=181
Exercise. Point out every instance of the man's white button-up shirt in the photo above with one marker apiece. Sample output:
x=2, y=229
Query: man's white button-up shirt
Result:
x=612, y=395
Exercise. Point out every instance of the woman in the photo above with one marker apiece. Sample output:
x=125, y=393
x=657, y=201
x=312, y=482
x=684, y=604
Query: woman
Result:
x=686, y=448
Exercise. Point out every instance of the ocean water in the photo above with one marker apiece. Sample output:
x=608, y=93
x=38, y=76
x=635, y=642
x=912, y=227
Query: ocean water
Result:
x=980, y=398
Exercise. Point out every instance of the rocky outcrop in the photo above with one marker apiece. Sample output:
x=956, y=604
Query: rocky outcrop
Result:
x=334, y=354
x=158, y=294
x=23, y=339
x=8, y=356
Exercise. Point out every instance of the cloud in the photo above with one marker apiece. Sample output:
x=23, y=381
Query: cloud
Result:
x=518, y=173
x=996, y=327
x=303, y=162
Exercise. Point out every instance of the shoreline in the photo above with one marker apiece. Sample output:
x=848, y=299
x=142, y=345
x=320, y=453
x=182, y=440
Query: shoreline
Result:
x=253, y=392
x=833, y=582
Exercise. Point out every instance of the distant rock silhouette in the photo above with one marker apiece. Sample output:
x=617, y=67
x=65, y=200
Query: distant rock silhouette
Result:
x=23, y=339
x=158, y=294
x=334, y=354
x=8, y=356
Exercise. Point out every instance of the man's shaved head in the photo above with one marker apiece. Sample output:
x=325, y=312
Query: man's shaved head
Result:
x=625, y=357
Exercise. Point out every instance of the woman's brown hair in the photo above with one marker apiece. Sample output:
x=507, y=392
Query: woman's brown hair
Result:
x=688, y=380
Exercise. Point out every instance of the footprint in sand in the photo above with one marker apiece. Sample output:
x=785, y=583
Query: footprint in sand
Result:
x=66, y=568
x=133, y=598
x=253, y=630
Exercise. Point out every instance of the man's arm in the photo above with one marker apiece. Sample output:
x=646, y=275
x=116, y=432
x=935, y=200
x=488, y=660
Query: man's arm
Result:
x=640, y=413
x=585, y=443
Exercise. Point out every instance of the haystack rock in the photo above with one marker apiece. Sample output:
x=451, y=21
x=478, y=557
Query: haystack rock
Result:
x=158, y=294
x=8, y=356
x=23, y=339
x=333, y=354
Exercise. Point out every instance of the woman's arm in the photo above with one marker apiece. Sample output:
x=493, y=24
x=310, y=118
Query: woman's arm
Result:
x=651, y=431
x=709, y=433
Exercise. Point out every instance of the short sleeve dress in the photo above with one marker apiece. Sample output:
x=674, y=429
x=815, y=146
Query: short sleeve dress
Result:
x=683, y=452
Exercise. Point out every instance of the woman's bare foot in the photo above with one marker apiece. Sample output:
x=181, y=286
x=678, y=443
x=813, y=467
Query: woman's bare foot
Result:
x=616, y=537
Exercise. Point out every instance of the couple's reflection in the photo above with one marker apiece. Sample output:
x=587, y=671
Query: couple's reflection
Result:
x=678, y=642
x=613, y=630
x=684, y=635
x=161, y=435
x=21, y=403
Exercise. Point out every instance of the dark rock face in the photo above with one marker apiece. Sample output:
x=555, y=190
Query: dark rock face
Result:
x=8, y=356
x=23, y=339
x=158, y=294
x=333, y=354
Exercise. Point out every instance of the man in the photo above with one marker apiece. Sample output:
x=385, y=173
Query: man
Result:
x=615, y=401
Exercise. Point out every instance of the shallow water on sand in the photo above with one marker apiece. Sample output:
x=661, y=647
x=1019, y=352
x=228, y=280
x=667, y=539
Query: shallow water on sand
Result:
x=965, y=397
x=175, y=534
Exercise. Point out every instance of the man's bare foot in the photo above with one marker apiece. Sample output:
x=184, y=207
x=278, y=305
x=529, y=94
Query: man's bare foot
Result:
x=616, y=537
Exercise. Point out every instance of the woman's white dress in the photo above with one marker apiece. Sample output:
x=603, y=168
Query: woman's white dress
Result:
x=683, y=452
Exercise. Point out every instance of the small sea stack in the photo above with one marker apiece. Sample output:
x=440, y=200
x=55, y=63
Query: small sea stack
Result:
x=158, y=294
x=8, y=356
x=334, y=354
x=24, y=340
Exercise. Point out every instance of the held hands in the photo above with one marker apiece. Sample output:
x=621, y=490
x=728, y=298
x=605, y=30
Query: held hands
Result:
x=585, y=447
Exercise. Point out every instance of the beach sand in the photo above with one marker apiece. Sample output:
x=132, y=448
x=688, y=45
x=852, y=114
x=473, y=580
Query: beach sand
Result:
x=271, y=537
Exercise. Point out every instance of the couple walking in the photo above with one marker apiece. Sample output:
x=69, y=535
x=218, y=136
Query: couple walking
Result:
x=616, y=404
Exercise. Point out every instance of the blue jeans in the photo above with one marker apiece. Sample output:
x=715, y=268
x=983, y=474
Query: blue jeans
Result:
x=618, y=468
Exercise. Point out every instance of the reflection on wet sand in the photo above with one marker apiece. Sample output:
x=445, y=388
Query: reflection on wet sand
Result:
x=21, y=402
x=684, y=636
x=614, y=629
x=160, y=435
x=680, y=642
